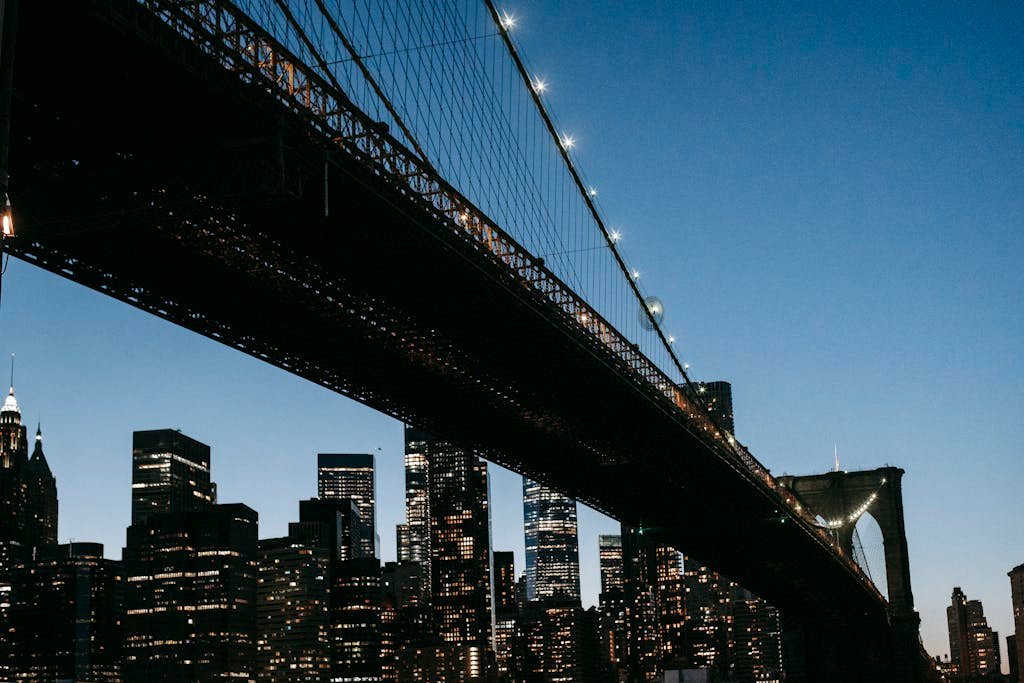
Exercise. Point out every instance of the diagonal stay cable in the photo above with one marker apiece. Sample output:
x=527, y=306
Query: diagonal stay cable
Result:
x=514, y=53
x=358, y=60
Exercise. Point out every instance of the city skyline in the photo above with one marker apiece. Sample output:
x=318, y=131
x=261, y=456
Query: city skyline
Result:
x=94, y=370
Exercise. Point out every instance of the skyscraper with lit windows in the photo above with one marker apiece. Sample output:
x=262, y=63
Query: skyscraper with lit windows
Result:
x=552, y=546
x=414, y=534
x=170, y=473
x=351, y=475
x=973, y=645
x=460, y=550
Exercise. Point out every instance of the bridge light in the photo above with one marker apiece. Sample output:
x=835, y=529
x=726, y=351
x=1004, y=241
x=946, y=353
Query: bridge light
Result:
x=636, y=274
x=539, y=85
x=592, y=192
x=615, y=236
x=686, y=366
x=568, y=141
x=8, y=219
x=671, y=339
x=508, y=21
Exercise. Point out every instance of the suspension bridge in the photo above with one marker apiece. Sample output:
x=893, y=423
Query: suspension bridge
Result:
x=375, y=197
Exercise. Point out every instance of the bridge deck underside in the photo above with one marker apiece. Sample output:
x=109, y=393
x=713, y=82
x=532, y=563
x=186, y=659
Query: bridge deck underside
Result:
x=141, y=169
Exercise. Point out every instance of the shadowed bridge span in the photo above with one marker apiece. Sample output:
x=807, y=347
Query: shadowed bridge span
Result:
x=175, y=156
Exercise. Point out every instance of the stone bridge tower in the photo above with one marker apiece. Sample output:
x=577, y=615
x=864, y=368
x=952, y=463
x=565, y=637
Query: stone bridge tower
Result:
x=841, y=499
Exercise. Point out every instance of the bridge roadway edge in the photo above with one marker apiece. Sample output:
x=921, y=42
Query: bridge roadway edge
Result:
x=601, y=440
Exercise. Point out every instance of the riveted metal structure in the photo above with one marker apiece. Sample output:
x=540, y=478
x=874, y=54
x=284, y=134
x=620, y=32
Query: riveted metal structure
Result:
x=176, y=156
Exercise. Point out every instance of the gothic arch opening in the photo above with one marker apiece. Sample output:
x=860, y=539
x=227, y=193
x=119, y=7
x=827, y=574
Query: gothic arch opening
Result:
x=869, y=550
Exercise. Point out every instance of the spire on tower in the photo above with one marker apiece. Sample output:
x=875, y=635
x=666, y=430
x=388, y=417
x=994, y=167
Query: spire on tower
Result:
x=836, y=447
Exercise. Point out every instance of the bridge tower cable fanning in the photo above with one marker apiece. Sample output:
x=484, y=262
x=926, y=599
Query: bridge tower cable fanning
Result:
x=503, y=24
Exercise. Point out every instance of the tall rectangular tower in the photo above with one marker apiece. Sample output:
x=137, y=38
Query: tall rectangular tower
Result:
x=552, y=547
x=351, y=475
x=170, y=473
x=414, y=535
x=1017, y=596
x=460, y=548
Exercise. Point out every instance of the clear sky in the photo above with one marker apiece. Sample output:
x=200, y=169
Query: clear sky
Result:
x=829, y=199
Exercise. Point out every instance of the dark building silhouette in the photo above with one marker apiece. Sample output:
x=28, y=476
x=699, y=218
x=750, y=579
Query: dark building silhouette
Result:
x=614, y=630
x=68, y=614
x=332, y=618
x=28, y=515
x=170, y=473
x=756, y=639
x=1017, y=598
x=13, y=472
x=506, y=609
x=293, y=611
x=973, y=646
x=559, y=642
x=351, y=475
x=190, y=595
x=643, y=616
x=1011, y=655
x=41, y=497
x=14, y=546
x=552, y=546
x=356, y=596
x=334, y=524
x=406, y=619
x=717, y=397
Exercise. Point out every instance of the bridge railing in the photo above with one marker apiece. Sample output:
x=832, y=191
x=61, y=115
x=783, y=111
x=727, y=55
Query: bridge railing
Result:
x=228, y=35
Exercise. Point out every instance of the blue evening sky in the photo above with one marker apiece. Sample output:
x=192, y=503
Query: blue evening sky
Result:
x=829, y=198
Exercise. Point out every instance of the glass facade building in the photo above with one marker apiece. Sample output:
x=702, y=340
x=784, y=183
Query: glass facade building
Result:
x=552, y=546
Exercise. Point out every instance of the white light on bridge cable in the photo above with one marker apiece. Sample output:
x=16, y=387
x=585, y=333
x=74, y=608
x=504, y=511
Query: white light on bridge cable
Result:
x=654, y=309
x=8, y=219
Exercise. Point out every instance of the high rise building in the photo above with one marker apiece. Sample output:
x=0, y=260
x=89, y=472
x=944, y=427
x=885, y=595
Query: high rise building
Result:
x=405, y=615
x=756, y=641
x=717, y=397
x=68, y=615
x=610, y=558
x=13, y=471
x=14, y=546
x=1017, y=597
x=28, y=514
x=190, y=595
x=552, y=548
x=459, y=554
x=170, y=473
x=334, y=524
x=974, y=647
x=351, y=475
x=505, y=610
x=356, y=597
x=708, y=609
x=614, y=629
x=643, y=617
x=1012, y=656
x=414, y=535
x=41, y=497
x=671, y=590
x=559, y=642
x=292, y=610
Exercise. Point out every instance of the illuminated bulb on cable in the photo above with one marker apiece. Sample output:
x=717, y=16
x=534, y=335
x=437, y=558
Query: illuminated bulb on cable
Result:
x=8, y=219
x=539, y=85
x=636, y=274
x=615, y=236
x=671, y=339
x=568, y=141
x=507, y=21
x=592, y=192
x=686, y=366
